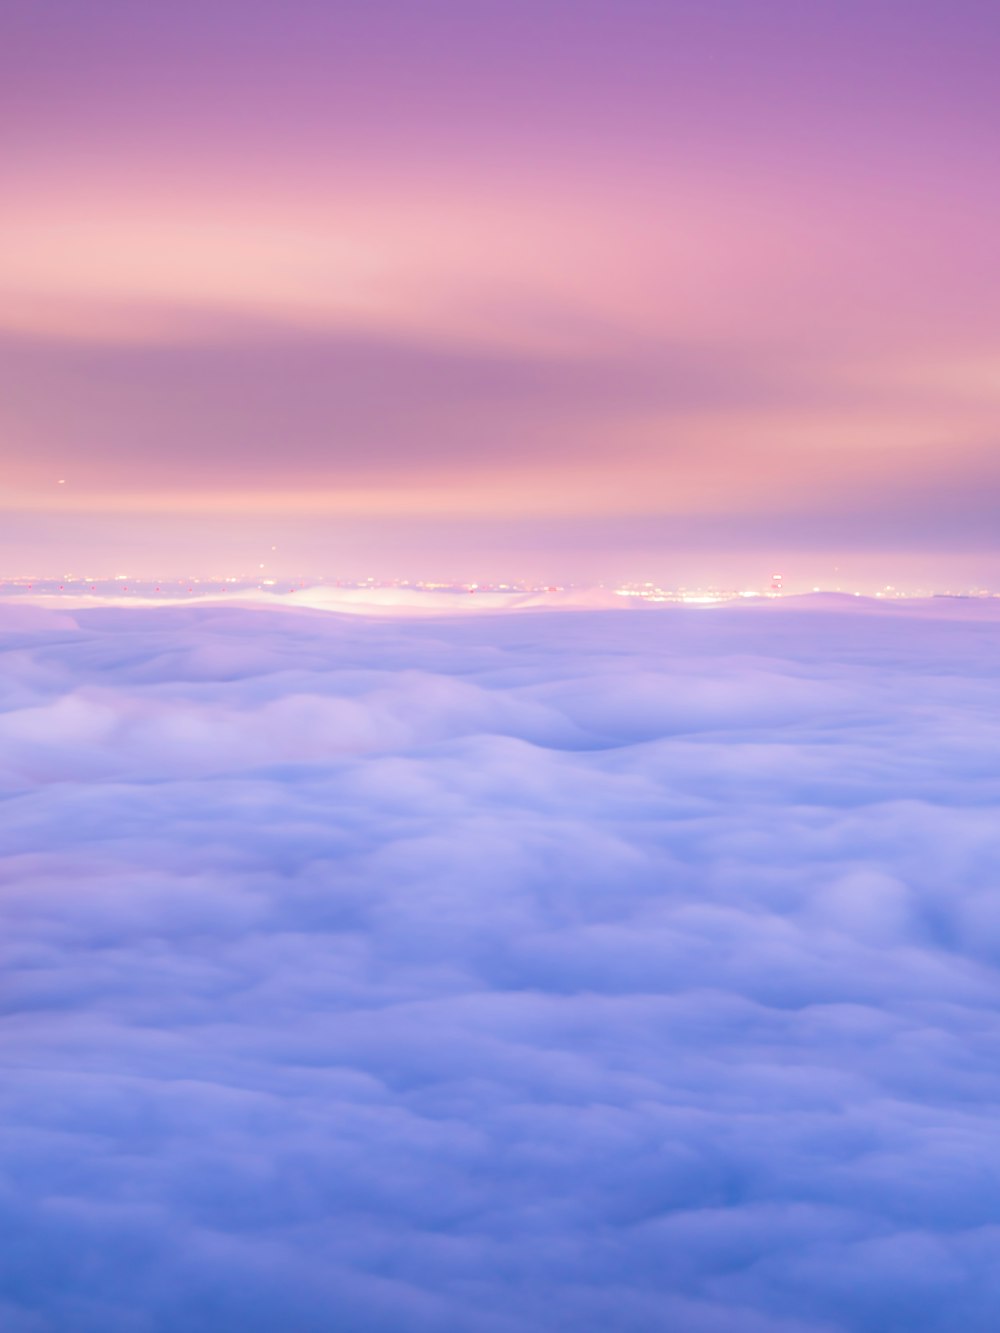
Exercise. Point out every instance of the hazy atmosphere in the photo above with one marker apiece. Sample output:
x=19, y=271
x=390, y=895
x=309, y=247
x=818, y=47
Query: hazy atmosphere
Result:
x=630, y=290
x=499, y=692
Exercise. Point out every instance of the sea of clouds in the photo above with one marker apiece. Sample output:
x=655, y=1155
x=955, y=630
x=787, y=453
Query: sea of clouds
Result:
x=547, y=972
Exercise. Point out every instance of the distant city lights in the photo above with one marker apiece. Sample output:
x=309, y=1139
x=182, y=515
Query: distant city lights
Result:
x=223, y=585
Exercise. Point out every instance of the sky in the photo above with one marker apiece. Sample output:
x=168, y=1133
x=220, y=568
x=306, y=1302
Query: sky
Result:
x=576, y=291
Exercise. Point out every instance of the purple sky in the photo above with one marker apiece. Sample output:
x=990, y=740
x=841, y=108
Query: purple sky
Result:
x=568, y=290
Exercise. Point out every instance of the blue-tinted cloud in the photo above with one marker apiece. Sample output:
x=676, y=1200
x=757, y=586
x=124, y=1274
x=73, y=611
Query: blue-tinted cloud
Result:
x=628, y=970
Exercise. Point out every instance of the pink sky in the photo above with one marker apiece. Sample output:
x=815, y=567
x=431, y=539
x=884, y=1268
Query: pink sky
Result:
x=589, y=287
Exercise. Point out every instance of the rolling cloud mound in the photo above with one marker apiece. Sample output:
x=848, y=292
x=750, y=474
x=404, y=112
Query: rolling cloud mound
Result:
x=574, y=971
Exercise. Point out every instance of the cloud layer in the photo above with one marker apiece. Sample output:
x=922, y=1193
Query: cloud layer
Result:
x=588, y=971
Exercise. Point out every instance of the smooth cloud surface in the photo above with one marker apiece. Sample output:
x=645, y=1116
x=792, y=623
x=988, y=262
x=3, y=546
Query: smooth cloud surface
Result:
x=501, y=974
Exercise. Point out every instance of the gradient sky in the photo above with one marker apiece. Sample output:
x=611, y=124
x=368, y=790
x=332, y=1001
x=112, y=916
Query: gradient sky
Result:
x=554, y=290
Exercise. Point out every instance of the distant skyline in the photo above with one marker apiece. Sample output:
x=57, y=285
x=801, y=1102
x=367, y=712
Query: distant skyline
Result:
x=535, y=290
